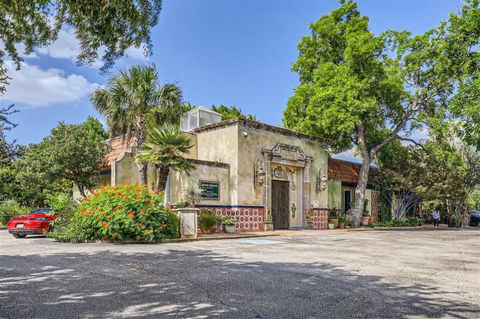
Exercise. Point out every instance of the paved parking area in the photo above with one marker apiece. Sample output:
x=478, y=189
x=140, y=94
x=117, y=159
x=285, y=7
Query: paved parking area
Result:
x=324, y=274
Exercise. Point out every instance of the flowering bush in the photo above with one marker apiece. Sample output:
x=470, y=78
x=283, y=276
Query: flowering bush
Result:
x=125, y=212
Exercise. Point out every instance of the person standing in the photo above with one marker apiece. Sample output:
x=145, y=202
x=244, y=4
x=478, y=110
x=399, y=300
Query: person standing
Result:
x=436, y=218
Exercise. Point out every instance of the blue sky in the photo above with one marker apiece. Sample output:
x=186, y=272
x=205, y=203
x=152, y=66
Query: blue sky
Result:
x=232, y=52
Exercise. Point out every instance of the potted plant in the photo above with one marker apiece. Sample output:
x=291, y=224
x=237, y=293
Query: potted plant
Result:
x=332, y=218
x=208, y=221
x=229, y=223
x=191, y=192
x=365, y=218
x=365, y=214
x=341, y=221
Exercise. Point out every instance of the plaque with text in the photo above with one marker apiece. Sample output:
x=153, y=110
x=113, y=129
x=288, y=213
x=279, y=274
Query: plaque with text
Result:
x=210, y=190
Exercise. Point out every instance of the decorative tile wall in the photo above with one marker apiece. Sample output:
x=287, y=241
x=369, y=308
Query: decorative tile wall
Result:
x=318, y=219
x=249, y=219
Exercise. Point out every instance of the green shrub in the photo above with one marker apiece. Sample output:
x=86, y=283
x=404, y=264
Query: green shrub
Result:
x=125, y=212
x=61, y=224
x=409, y=222
x=59, y=202
x=208, y=219
x=9, y=208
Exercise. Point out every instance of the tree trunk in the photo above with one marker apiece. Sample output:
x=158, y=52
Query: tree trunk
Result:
x=357, y=210
x=141, y=136
x=81, y=189
x=162, y=178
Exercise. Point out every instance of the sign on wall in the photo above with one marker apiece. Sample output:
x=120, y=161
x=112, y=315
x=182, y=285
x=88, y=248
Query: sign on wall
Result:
x=210, y=190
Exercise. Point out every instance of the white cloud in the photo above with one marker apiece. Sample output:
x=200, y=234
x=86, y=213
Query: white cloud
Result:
x=33, y=86
x=65, y=47
x=68, y=47
x=136, y=53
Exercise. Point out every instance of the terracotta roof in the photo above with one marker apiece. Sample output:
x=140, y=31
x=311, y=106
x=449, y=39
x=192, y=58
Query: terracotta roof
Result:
x=346, y=171
x=261, y=126
x=119, y=146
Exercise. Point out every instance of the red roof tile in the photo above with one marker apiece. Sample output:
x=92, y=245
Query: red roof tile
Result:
x=119, y=146
x=346, y=171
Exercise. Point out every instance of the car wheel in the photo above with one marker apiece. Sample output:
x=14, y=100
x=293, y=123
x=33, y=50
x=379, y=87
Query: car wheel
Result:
x=20, y=235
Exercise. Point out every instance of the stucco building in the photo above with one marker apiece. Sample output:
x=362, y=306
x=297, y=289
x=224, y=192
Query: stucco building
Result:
x=267, y=177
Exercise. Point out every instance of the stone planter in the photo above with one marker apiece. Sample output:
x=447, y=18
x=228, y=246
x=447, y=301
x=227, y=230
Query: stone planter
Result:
x=188, y=222
x=230, y=229
x=365, y=220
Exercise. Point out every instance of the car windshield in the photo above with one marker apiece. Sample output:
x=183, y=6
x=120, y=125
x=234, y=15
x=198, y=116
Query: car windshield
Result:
x=43, y=210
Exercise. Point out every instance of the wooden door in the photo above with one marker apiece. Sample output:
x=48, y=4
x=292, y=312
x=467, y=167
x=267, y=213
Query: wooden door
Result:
x=280, y=201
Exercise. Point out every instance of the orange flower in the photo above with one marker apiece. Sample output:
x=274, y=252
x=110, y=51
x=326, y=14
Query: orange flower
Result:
x=146, y=201
x=114, y=236
x=140, y=225
x=105, y=225
x=164, y=225
x=138, y=238
x=125, y=197
x=109, y=217
x=130, y=215
x=91, y=214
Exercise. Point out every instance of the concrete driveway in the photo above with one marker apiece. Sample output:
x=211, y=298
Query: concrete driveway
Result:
x=322, y=274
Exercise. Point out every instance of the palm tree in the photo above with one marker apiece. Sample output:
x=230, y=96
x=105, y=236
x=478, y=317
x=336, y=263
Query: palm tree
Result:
x=132, y=98
x=165, y=148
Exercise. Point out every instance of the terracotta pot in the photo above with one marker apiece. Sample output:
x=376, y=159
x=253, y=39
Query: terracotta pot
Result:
x=365, y=220
x=341, y=225
x=334, y=221
x=211, y=230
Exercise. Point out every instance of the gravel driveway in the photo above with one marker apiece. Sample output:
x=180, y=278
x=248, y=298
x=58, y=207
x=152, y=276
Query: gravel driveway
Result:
x=322, y=274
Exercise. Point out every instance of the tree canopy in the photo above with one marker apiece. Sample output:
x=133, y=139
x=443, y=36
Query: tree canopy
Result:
x=70, y=154
x=232, y=112
x=110, y=26
x=361, y=90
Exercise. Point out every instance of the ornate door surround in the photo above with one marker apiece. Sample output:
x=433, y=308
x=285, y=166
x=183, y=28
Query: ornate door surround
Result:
x=286, y=155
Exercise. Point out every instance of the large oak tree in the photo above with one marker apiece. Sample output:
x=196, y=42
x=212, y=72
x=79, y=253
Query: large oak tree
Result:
x=362, y=90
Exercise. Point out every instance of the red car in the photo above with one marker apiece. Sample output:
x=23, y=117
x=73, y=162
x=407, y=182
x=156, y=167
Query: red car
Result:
x=36, y=223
